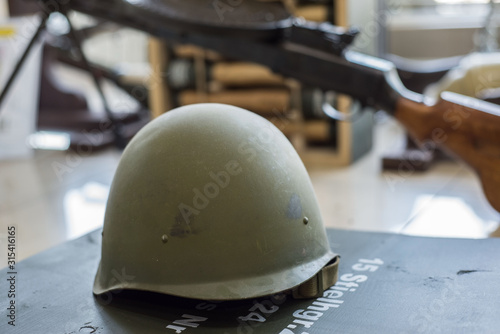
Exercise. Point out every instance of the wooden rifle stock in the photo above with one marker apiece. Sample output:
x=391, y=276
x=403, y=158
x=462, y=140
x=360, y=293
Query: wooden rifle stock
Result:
x=466, y=127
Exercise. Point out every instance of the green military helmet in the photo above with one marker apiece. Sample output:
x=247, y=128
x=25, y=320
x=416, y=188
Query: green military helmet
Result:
x=212, y=202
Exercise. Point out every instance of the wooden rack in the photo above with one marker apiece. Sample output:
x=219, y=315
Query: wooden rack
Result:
x=212, y=78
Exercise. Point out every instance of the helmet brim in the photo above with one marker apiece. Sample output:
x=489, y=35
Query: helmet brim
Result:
x=236, y=289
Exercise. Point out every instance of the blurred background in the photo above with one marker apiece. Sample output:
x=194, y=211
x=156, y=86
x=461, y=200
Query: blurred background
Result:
x=58, y=153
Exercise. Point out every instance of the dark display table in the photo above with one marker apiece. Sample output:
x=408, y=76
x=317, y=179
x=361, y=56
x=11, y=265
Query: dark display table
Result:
x=387, y=284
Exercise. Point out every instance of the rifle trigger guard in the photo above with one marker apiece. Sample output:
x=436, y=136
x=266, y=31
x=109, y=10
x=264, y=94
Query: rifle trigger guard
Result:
x=337, y=115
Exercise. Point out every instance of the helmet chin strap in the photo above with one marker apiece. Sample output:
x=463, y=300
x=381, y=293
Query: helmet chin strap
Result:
x=320, y=282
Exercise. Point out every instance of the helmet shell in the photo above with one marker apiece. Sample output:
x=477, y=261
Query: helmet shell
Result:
x=212, y=202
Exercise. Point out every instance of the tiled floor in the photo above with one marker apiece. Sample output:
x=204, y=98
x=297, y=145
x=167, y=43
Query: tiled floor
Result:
x=56, y=196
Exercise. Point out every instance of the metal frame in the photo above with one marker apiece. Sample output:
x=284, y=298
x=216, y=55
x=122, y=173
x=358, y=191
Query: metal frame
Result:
x=117, y=127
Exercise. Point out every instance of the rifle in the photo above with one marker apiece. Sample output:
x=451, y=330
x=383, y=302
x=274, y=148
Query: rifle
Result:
x=316, y=54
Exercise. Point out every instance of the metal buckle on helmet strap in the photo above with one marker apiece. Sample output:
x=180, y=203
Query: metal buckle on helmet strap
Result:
x=320, y=282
